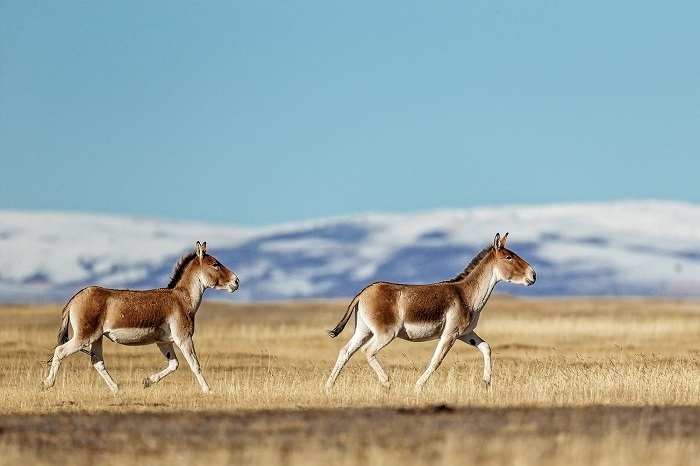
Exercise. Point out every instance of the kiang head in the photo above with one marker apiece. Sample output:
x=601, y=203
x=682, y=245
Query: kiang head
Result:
x=509, y=266
x=213, y=273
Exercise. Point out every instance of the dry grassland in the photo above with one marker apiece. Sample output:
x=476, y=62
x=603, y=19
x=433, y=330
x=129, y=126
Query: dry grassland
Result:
x=575, y=381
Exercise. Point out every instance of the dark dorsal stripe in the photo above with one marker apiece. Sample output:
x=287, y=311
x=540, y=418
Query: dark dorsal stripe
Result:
x=472, y=265
x=180, y=269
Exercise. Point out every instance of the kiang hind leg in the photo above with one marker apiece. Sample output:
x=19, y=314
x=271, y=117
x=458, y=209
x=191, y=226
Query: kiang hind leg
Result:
x=370, y=350
x=61, y=352
x=362, y=333
x=98, y=363
x=168, y=351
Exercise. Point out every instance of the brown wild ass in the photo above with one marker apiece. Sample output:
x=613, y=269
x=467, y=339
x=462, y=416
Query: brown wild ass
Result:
x=163, y=316
x=447, y=311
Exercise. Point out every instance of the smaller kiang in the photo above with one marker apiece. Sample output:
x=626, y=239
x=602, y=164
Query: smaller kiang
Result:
x=163, y=316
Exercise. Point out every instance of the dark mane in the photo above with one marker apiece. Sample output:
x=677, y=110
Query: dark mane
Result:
x=180, y=268
x=472, y=265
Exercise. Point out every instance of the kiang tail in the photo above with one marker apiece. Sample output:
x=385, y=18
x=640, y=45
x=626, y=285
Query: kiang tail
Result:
x=63, y=331
x=341, y=325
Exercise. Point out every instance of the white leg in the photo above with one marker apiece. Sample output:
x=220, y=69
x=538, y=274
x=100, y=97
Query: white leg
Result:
x=60, y=353
x=99, y=364
x=168, y=351
x=358, y=339
x=371, y=349
x=444, y=344
x=186, y=345
x=475, y=340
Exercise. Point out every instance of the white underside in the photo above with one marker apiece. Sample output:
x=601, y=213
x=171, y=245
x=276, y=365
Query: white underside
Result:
x=136, y=336
x=420, y=332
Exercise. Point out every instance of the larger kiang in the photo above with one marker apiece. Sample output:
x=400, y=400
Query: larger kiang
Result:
x=448, y=311
x=164, y=316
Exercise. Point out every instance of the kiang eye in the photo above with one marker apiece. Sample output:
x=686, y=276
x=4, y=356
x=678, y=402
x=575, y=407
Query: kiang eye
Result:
x=509, y=258
x=216, y=265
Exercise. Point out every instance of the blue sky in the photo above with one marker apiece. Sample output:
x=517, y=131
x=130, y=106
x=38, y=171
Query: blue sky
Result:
x=264, y=112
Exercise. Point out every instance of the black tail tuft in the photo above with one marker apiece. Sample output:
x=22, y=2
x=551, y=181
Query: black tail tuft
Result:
x=62, y=335
x=341, y=325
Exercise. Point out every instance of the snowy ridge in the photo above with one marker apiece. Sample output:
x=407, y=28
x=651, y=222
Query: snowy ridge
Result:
x=620, y=248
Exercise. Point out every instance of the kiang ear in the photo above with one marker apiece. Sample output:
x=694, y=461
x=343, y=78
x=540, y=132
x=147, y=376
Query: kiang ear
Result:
x=201, y=249
x=503, y=241
x=498, y=242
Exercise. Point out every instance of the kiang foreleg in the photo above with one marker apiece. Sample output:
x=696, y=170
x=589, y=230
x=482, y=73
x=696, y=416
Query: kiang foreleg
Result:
x=186, y=345
x=444, y=344
x=475, y=340
x=168, y=351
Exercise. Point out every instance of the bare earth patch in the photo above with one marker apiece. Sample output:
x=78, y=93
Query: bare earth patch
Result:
x=421, y=435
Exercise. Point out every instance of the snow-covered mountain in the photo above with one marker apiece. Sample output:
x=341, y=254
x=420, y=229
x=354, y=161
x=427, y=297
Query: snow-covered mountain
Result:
x=620, y=248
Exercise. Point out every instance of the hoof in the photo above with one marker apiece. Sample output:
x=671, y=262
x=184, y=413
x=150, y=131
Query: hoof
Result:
x=420, y=384
x=147, y=382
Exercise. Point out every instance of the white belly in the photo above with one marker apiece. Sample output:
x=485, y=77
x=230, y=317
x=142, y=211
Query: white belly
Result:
x=135, y=336
x=420, y=332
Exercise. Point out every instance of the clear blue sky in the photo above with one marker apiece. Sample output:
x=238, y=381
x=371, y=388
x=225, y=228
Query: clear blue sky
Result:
x=262, y=112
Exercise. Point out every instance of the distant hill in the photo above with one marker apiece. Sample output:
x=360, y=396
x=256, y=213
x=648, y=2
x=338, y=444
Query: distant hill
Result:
x=598, y=249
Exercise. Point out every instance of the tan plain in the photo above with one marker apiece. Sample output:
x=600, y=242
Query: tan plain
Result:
x=550, y=357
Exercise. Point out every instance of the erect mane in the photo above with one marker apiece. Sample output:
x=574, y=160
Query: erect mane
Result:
x=180, y=268
x=472, y=265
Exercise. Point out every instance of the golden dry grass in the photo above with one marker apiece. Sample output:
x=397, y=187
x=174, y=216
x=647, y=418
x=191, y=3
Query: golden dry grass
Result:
x=549, y=356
